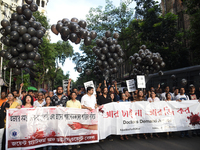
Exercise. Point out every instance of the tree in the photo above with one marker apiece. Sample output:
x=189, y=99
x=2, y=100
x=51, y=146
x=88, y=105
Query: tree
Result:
x=158, y=32
x=193, y=34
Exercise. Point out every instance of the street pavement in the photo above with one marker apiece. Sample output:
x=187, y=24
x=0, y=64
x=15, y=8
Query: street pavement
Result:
x=162, y=143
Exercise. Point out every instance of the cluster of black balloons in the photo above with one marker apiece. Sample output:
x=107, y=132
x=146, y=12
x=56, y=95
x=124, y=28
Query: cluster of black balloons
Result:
x=145, y=62
x=73, y=30
x=22, y=34
x=97, y=72
x=109, y=53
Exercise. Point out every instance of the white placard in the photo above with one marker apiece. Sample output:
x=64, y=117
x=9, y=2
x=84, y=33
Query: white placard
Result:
x=65, y=84
x=131, y=85
x=89, y=84
x=141, y=82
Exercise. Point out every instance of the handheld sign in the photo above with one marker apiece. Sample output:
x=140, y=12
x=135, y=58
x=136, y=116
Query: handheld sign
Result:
x=131, y=85
x=89, y=84
x=141, y=82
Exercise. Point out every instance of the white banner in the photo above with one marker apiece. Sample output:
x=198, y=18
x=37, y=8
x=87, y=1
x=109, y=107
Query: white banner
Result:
x=144, y=117
x=38, y=127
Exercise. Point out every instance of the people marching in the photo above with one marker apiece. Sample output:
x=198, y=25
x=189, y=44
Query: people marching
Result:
x=90, y=99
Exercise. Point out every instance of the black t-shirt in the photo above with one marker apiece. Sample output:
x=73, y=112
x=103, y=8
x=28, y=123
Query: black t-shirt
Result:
x=102, y=100
x=56, y=101
x=130, y=98
x=194, y=96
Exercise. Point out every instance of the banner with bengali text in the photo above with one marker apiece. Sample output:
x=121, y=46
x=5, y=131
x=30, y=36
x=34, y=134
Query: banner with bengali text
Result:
x=143, y=117
x=38, y=127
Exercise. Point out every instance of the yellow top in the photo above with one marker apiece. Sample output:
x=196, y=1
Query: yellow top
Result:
x=16, y=103
x=72, y=104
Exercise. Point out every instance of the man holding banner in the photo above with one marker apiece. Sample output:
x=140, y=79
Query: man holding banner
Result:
x=88, y=101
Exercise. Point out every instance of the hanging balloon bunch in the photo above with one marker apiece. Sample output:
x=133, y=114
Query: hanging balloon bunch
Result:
x=22, y=34
x=146, y=62
x=74, y=31
x=109, y=53
x=97, y=72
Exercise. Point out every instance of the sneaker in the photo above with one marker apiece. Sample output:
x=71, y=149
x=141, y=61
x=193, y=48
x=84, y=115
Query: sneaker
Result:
x=111, y=139
x=78, y=146
x=69, y=147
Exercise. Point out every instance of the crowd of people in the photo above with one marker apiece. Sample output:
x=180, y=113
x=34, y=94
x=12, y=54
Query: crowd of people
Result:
x=85, y=99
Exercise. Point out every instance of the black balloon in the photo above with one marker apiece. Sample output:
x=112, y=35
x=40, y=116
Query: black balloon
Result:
x=23, y=56
x=65, y=31
x=87, y=41
x=14, y=51
x=184, y=82
x=108, y=34
x=34, y=41
x=43, y=29
x=2, y=53
x=26, y=24
x=29, y=63
x=74, y=20
x=13, y=62
x=19, y=10
x=102, y=57
x=105, y=64
x=93, y=34
x=65, y=38
x=13, y=43
x=99, y=62
x=31, y=31
x=5, y=23
x=82, y=33
x=20, y=18
x=79, y=69
x=59, y=27
x=73, y=37
x=33, y=7
x=14, y=16
x=26, y=38
x=25, y=6
x=111, y=48
x=173, y=77
x=54, y=30
x=104, y=50
x=160, y=73
x=14, y=35
x=17, y=71
x=34, y=24
x=31, y=55
x=7, y=30
x=22, y=30
x=82, y=24
x=29, y=47
x=20, y=63
x=20, y=47
x=116, y=35
x=29, y=1
x=37, y=57
x=6, y=41
x=39, y=34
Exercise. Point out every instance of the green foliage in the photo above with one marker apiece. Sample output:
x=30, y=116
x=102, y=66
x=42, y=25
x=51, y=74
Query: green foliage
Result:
x=26, y=80
x=193, y=34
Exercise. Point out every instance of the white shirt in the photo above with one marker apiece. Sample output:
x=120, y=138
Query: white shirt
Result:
x=37, y=104
x=163, y=96
x=174, y=97
x=156, y=99
x=88, y=101
x=182, y=97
